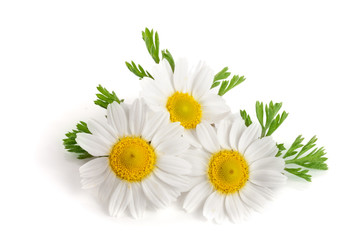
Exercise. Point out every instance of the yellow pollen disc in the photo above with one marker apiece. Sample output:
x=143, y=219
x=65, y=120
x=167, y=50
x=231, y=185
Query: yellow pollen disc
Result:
x=132, y=159
x=185, y=109
x=228, y=171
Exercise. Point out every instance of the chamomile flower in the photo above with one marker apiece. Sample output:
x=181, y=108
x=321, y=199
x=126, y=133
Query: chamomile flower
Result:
x=137, y=163
x=184, y=94
x=234, y=172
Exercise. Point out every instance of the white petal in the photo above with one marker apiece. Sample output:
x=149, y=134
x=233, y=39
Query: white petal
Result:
x=214, y=115
x=270, y=163
x=196, y=180
x=94, y=167
x=267, y=178
x=152, y=93
x=207, y=136
x=197, y=196
x=261, y=148
x=138, y=203
x=198, y=160
x=220, y=217
x=137, y=116
x=235, y=207
x=179, y=182
x=252, y=198
x=214, y=206
x=93, y=144
x=250, y=134
x=210, y=100
x=201, y=81
x=181, y=75
x=191, y=139
x=154, y=124
x=107, y=187
x=163, y=76
x=237, y=128
x=173, y=147
x=266, y=192
x=170, y=131
x=120, y=199
x=223, y=131
x=117, y=118
x=174, y=165
x=155, y=192
x=95, y=181
x=214, y=107
x=103, y=131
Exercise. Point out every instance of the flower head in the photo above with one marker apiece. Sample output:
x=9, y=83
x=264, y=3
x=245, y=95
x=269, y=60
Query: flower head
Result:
x=234, y=171
x=137, y=162
x=184, y=94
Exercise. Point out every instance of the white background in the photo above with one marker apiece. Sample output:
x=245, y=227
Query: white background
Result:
x=54, y=53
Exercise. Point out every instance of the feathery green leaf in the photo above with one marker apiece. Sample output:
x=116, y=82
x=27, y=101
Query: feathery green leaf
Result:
x=105, y=97
x=70, y=143
x=138, y=70
x=226, y=85
x=272, y=119
x=307, y=156
x=167, y=55
x=281, y=148
x=302, y=173
x=245, y=117
x=152, y=44
x=223, y=74
x=314, y=159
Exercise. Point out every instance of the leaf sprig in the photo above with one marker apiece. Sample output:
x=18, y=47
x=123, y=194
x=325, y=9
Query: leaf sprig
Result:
x=70, y=141
x=272, y=119
x=300, y=172
x=138, y=70
x=305, y=156
x=245, y=117
x=105, y=97
x=226, y=85
x=152, y=43
x=281, y=148
x=167, y=55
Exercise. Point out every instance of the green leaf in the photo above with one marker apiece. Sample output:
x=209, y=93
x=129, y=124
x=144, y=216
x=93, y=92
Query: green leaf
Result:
x=276, y=123
x=152, y=44
x=167, y=55
x=223, y=86
x=259, y=107
x=70, y=143
x=105, y=97
x=281, y=148
x=272, y=119
x=302, y=173
x=227, y=86
x=223, y=74
x=307, y=156
x=294, y=146
x=246, y=117
x=315, y=159
x=307, y=146
x=138, y=70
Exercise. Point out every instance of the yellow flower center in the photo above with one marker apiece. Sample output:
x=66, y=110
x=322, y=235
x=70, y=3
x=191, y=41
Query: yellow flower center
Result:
x=185, y=109
x=132, y=159
x=228, y=171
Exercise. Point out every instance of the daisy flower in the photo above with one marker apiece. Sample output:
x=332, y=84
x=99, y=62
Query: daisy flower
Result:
x=137, y=161
x=235, y=170
x=184, y=94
